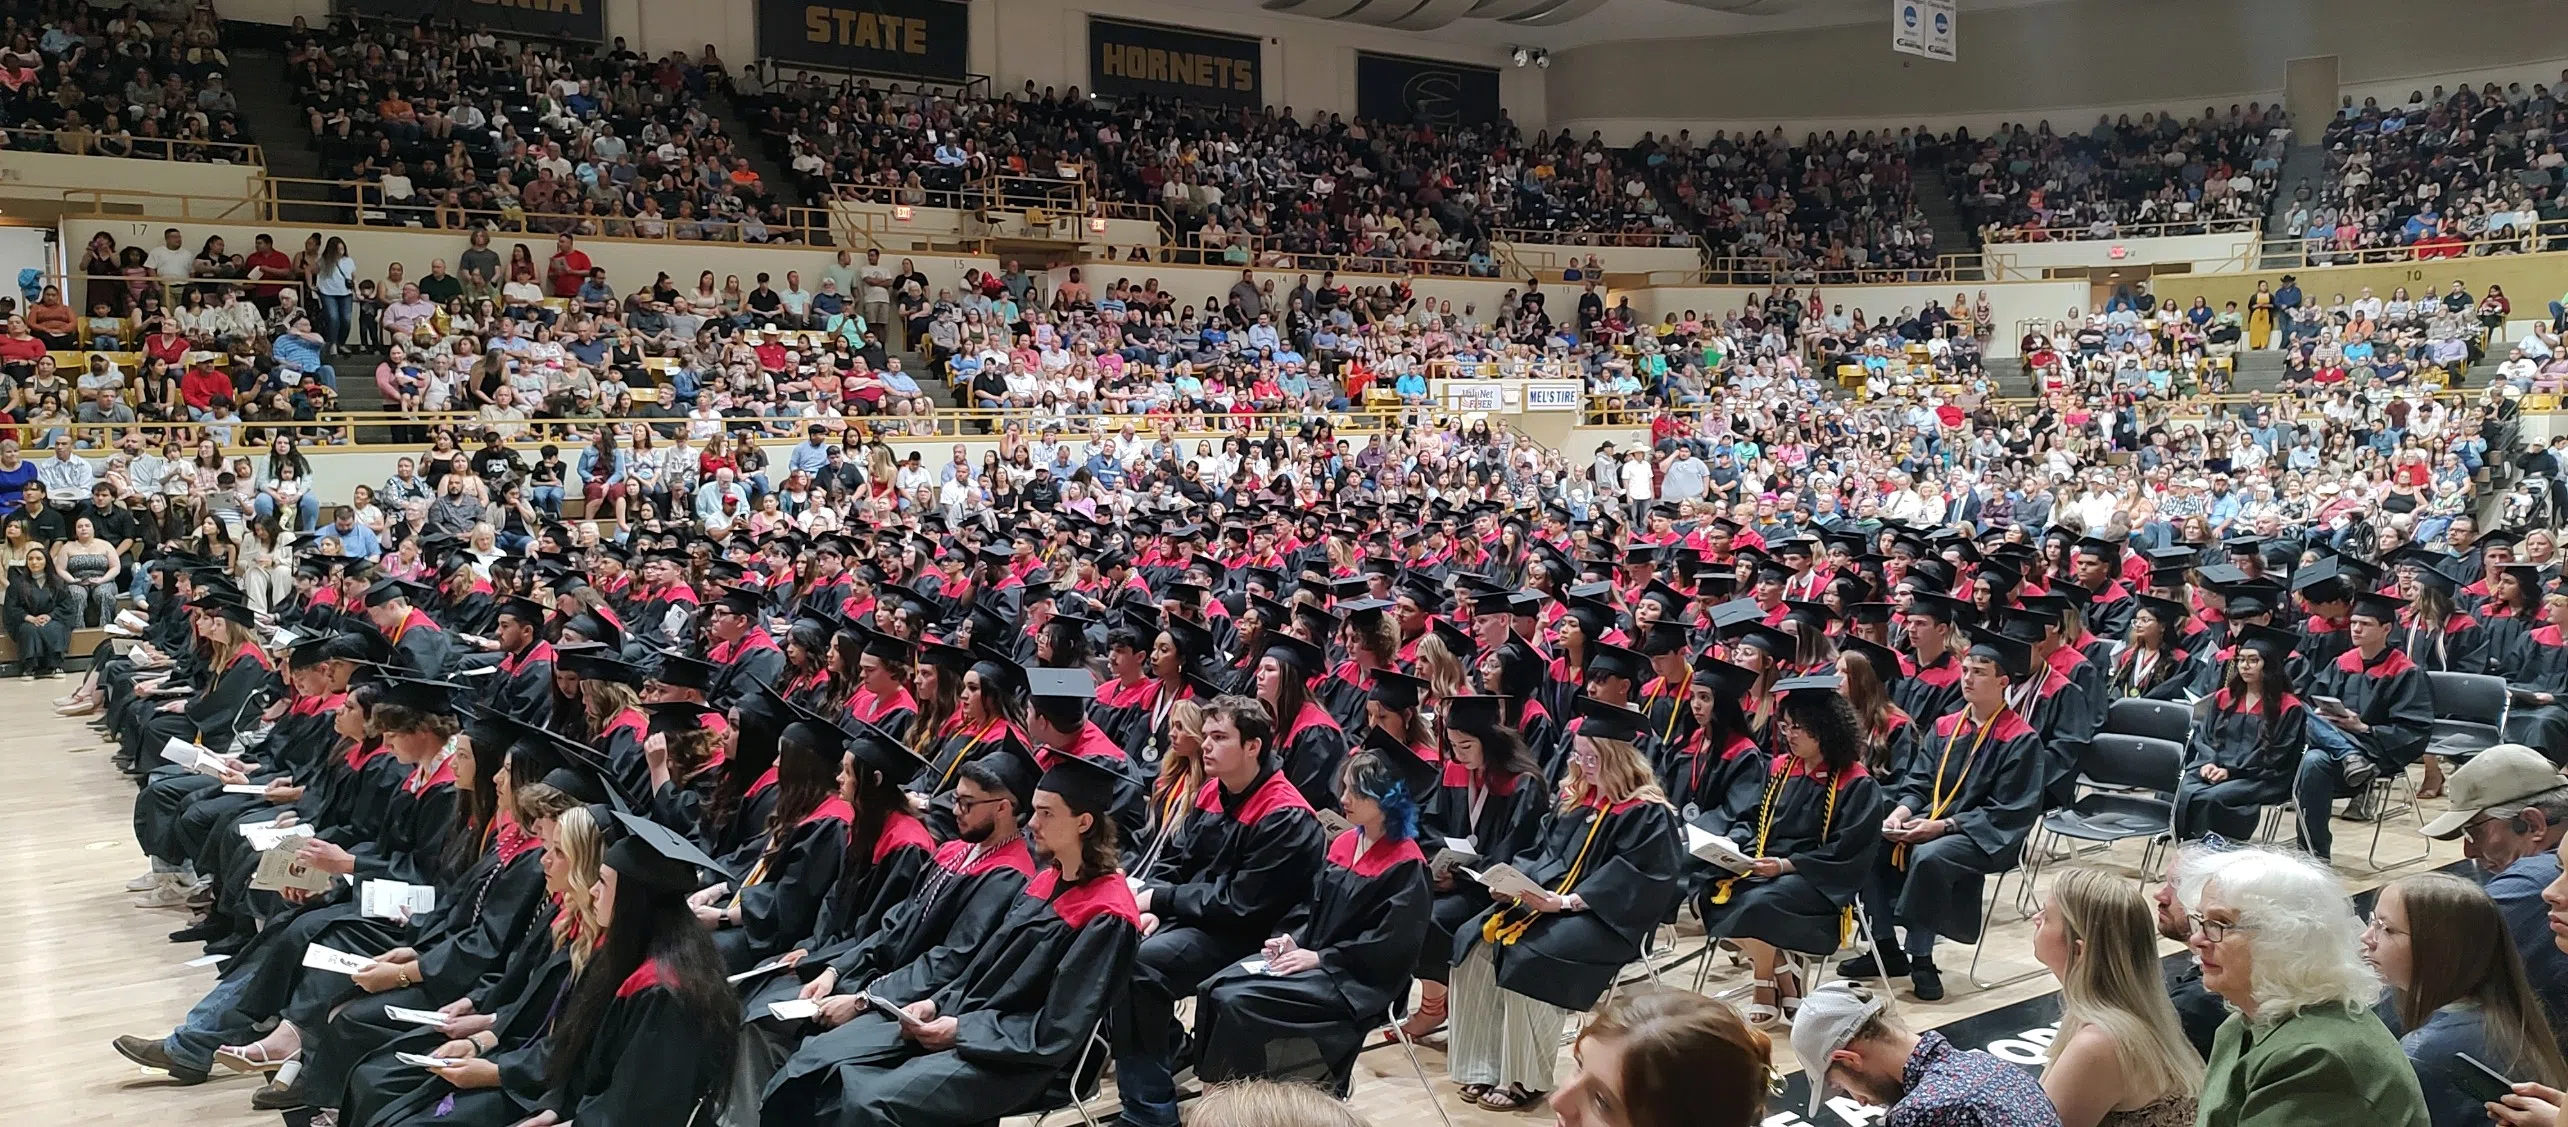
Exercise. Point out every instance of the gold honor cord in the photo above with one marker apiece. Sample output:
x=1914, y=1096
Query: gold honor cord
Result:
x=1504, y=928
x=1940, y=799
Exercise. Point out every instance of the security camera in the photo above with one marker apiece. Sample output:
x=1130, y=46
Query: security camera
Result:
x=1522, y=56
x=1542, y=59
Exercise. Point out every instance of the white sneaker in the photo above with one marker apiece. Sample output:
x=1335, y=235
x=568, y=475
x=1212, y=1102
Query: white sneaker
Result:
x=149, y=881
x=170, y=895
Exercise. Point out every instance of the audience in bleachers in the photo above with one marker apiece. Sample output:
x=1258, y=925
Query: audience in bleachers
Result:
x=1830, y=209
x=2470, y=171
x=132, y=84
x=2155, y=176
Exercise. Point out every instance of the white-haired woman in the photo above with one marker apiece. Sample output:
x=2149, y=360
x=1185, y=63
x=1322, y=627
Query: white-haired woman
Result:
x=2280, y=943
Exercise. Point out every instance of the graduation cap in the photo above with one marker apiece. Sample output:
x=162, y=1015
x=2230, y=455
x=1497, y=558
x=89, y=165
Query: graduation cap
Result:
x=230, y=610
x=2250, y=598
x=740, y=601
x=1608, y=660
x=659, y=858
x=1796, y=546
x=1397, y=691
x=1722, y=677
x=1423, y=591
x=679, y=715
x=2014, y=658
x=1812, y=614
x=881, y=751
x=1457, y=640
x=1666, y=636
x=2527, y=576
x=1871, y=613
x=420, y=696
x=1526, y=604
x=2503, y=537
x=526, y=611
x=1883, y=660
x=2169, y=613
x=2275, y=645
x=1774, y=642
x=600, y=665
x=2000, y=577
x=2052, y=610
x=1811, y=682
x=1481, y=715
x=2434, y=577
x=1088, y=786
x=1303, y=655
x=1736, y=611
x=1060, y=684
x=595, y=627
x=1414, y=770
x=1365, y=614
x=2244, y=545
x=388, y=589
x=2378, y=607
x=1600, y=719
x=2110, y=551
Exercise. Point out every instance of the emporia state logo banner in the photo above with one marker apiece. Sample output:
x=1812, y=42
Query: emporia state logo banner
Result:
x=1424, y=91
x=1150, y=60
x=910, y=38
x=548, y=19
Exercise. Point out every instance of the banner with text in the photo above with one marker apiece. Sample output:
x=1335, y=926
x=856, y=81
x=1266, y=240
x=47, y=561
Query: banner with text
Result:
x=909, y=38
x=1424, y=91
x=547, y=19
x=1923, y=28
x=1150, y=60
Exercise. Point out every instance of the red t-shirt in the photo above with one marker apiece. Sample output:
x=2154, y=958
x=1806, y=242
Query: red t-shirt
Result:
x=201, y=384
x=568, y=271
x=15, y=350
x=172, y=348
x=276, y=264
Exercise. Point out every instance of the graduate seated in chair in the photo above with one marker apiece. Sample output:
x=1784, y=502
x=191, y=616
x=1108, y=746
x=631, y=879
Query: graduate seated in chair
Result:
x=1491, y=797
x=1241, y=861
x=1812, y=829
x=2374, y=713
x=985, y=1033
x=2245, y=750
x=1961, y=810
x=1607, y=868
x=1344, y=955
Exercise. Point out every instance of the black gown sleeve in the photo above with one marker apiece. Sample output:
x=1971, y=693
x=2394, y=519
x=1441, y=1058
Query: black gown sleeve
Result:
x=1312, y=762
x=2004, y=817
x=1282, y=851
x=1385, y=948
x=1839, y=865
x=651, y=1066
x=1088, y=975
x=474, y=950
x=783, y=907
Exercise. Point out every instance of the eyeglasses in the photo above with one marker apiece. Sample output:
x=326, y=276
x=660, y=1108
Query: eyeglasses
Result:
x=964, y=805
x=2216, y=931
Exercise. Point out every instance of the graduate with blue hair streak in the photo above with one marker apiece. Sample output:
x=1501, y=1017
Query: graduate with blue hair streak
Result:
x=1300, y=1011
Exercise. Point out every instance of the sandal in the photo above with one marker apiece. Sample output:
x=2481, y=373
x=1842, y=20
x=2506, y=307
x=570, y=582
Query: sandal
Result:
x=1471, y=1093
x=251, y=1058
x=1513, y=1097
x=1787, y=992
x=1761, y=1010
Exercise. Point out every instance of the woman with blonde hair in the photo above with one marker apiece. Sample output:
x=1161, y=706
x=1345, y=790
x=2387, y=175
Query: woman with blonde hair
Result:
x=1270, y=1103
x=1666, y=1058
x=2457, y=985
x=2121, y=1058
x=1606, y=865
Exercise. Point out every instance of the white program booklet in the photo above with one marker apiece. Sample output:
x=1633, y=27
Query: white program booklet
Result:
x=245, y=788
x=1719, y=850
x=393, y=900
x=1504, y=880
x=267, y=835
x=793, y=1009
x=194, y=757
x=1457, y=851
x=414, y=1017
x=319, y=957
x=415, y=1060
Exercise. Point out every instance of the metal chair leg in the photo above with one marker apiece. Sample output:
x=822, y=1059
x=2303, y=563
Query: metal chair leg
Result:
x=1410, y=1048
x=2387, y=788
x=1988, y=916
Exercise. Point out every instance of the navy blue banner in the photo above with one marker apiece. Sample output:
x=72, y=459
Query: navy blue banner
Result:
x=909, y=38
x=1397, y=88
x=1150, y=60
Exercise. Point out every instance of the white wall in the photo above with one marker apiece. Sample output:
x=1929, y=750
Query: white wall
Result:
x=2206, y=254
x=23, y=248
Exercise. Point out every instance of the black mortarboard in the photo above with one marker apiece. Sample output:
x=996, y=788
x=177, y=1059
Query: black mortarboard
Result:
x=1396, y=690
x=1413, y=768
x=1457, y=640
x=2253, y=597
x=2276, y=645
x=2013, y=658
x=1883, y=660
x=1087, y=785
x=685, y=672
x=1809, y=682
x=658, y=857
x=1306, y=656
x=600, y=665
x=740, y=601
x=1607, y=660
x=678, y=715
x=230, y=610
x=526, y=611
x=2169, y=613
x=386, y=590
x=594, y=627
x=1600, y=719
x=418, y=695
x=1722, y=677
x=1479, y=715
x=1816, y=615
x=2378, y=607
x=1774, y=642
x=883, y=751
x=1060, y=684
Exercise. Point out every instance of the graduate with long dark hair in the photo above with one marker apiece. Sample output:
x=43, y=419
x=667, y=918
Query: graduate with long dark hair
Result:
x=1491, y=796
x=1719, y=755
x=2244, y=751
x=777, y=900
x=1344, y=954
x=985, y=1033
x=1813, y=828
x=1308, y=744
x=645, y=1038
x=2153, y=663
x=989, y=715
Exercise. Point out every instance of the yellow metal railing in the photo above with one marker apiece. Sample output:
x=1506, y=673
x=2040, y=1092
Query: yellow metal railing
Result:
x=1734, y=270
x=2088, y=233
x=2306, y=253
x=93, y=143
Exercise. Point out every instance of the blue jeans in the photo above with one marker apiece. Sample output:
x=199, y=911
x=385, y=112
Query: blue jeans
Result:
x=1148, y=1087
x=547, y=500
x=2320, y=782
x=307, y=509
x=204, y=1030
x=337, y=317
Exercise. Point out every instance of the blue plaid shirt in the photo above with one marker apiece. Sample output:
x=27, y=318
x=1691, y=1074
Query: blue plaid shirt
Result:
x=1952, y=1087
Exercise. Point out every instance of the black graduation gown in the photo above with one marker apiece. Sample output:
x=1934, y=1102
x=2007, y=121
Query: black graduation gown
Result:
x=780, y=897
x=2457, y=649
x=2109, y=612
x=1506, y=825
x=1025, y=1004
x=2168, y=677
x=2392, y=696
x=1705, y=782
x=1829, y=828
x=2501, y=636
x=1991, y=780
x=522, y=689
x=647, y=1065
x=1125, y=713
x=856, y=905
x=1312, y=749
x=380, y=1091
x=1671, y=722
x=1343, y=693
x=741, y=667
x=1929, y=690
x=1627, y=874
x=475, y=613
x=2261, y=760
x=420, y=648
x=958, y=744
x=1368, y=910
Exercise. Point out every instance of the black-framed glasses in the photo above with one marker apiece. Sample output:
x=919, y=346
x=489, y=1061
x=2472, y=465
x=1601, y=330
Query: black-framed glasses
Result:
x=2217, y=931
x=964, y=805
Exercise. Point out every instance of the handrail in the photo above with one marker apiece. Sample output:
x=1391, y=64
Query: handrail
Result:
x=973, y=86
x=80, y=143
x=1957, y=268
x=2003, y=236
x=1268, y=254
x=357, y=199
x=1603, y=240
x=2297, y=254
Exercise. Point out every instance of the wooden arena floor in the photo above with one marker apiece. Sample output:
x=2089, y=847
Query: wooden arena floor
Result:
x=79, y=964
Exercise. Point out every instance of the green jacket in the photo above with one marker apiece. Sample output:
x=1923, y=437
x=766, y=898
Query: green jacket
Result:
x=2323, y=1065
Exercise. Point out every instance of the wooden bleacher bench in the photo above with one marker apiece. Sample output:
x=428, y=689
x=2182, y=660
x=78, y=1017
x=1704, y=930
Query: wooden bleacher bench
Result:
x=83, y=641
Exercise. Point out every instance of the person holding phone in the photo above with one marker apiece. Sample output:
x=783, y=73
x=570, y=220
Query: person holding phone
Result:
x=2378, y=713
x=2473, y=1027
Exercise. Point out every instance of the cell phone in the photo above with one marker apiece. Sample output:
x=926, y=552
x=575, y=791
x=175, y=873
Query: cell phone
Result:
x=902, y=1016
x=2331, y=704
x=2480, y=1082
